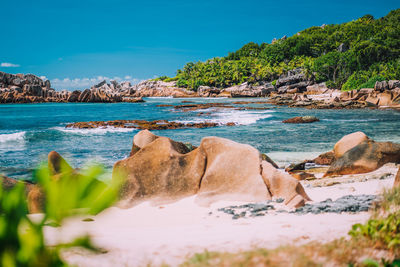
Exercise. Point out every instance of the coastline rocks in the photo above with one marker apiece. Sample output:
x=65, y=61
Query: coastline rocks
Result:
x=249, y=90
x=347, y=142
x=144, y=125
x=151, y=88
x=219, y=169
x=29, y=88
x=206, y=91
x=293, y=79
x=317, y=89
x=304, y=119
x=365, y=157
x=386, y=85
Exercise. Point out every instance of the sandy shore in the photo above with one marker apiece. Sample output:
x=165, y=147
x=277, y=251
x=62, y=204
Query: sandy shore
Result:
x=170, y=233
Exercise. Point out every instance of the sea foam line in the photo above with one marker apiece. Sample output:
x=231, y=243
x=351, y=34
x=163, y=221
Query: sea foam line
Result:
x=94, y=131
x=238, y=117
x=12, y=137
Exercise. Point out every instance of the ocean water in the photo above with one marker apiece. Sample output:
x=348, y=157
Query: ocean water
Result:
x=28, y=132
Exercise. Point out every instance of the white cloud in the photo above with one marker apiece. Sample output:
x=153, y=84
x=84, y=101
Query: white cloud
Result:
x=82, y=83
x=8, y=65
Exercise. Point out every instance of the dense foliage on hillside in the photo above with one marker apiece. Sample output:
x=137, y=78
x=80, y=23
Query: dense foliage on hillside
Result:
x=348, y=56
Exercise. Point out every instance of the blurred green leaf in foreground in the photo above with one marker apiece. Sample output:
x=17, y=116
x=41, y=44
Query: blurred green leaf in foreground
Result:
x=62, y=194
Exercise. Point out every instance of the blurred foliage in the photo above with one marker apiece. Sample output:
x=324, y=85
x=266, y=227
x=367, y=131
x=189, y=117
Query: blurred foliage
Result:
x=383, y=228
x=330, y=53
x=66, y=194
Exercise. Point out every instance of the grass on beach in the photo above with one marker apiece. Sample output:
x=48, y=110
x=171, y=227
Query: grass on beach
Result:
x=375, y=243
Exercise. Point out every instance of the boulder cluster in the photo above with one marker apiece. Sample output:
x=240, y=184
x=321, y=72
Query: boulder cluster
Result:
x=318, y=96
x=294, y=81
x=28, y=88
x=160, y=169
x=354, y=153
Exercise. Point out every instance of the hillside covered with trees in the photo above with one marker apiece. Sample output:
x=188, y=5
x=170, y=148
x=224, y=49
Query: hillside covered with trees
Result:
x=346, y=56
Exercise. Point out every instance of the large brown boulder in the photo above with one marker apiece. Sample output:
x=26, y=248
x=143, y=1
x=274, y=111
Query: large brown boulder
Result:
x=365, y=157
x=284, y=186
x=348, y=142
x=160, y=169
x=232, y=172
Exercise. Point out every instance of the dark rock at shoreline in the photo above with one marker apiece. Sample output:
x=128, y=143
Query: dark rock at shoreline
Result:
x=193, y=107
x=143, y=125
x=304, y=119
x=325, y=158
x=348, y=203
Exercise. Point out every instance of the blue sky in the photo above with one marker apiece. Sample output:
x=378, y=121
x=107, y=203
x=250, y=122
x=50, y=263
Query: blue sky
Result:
x=76, y=43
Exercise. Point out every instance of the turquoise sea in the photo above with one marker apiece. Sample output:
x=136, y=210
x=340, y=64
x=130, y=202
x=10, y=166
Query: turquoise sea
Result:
x=28, y=132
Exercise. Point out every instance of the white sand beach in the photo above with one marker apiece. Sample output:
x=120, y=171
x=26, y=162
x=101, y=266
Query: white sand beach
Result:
x=170, y=233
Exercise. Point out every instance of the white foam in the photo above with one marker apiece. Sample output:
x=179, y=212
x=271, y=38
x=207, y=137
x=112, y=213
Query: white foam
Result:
x=283, y=158
x=239, y=117
x=12, y=137
x=94, y=131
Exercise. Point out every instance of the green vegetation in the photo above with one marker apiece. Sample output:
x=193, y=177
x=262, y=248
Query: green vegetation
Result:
x=375, y=243
x=368, y=48
x=67, y=194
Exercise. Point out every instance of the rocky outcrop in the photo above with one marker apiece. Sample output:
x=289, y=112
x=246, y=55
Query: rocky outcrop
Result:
x=219, y=169
x=304, y=119
x=362, y=154
x=149, y=88
x=317, y=89
x=386, y=85
x=294, y=81
x=250, y=90
x=142, y=124
x=29, y=88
